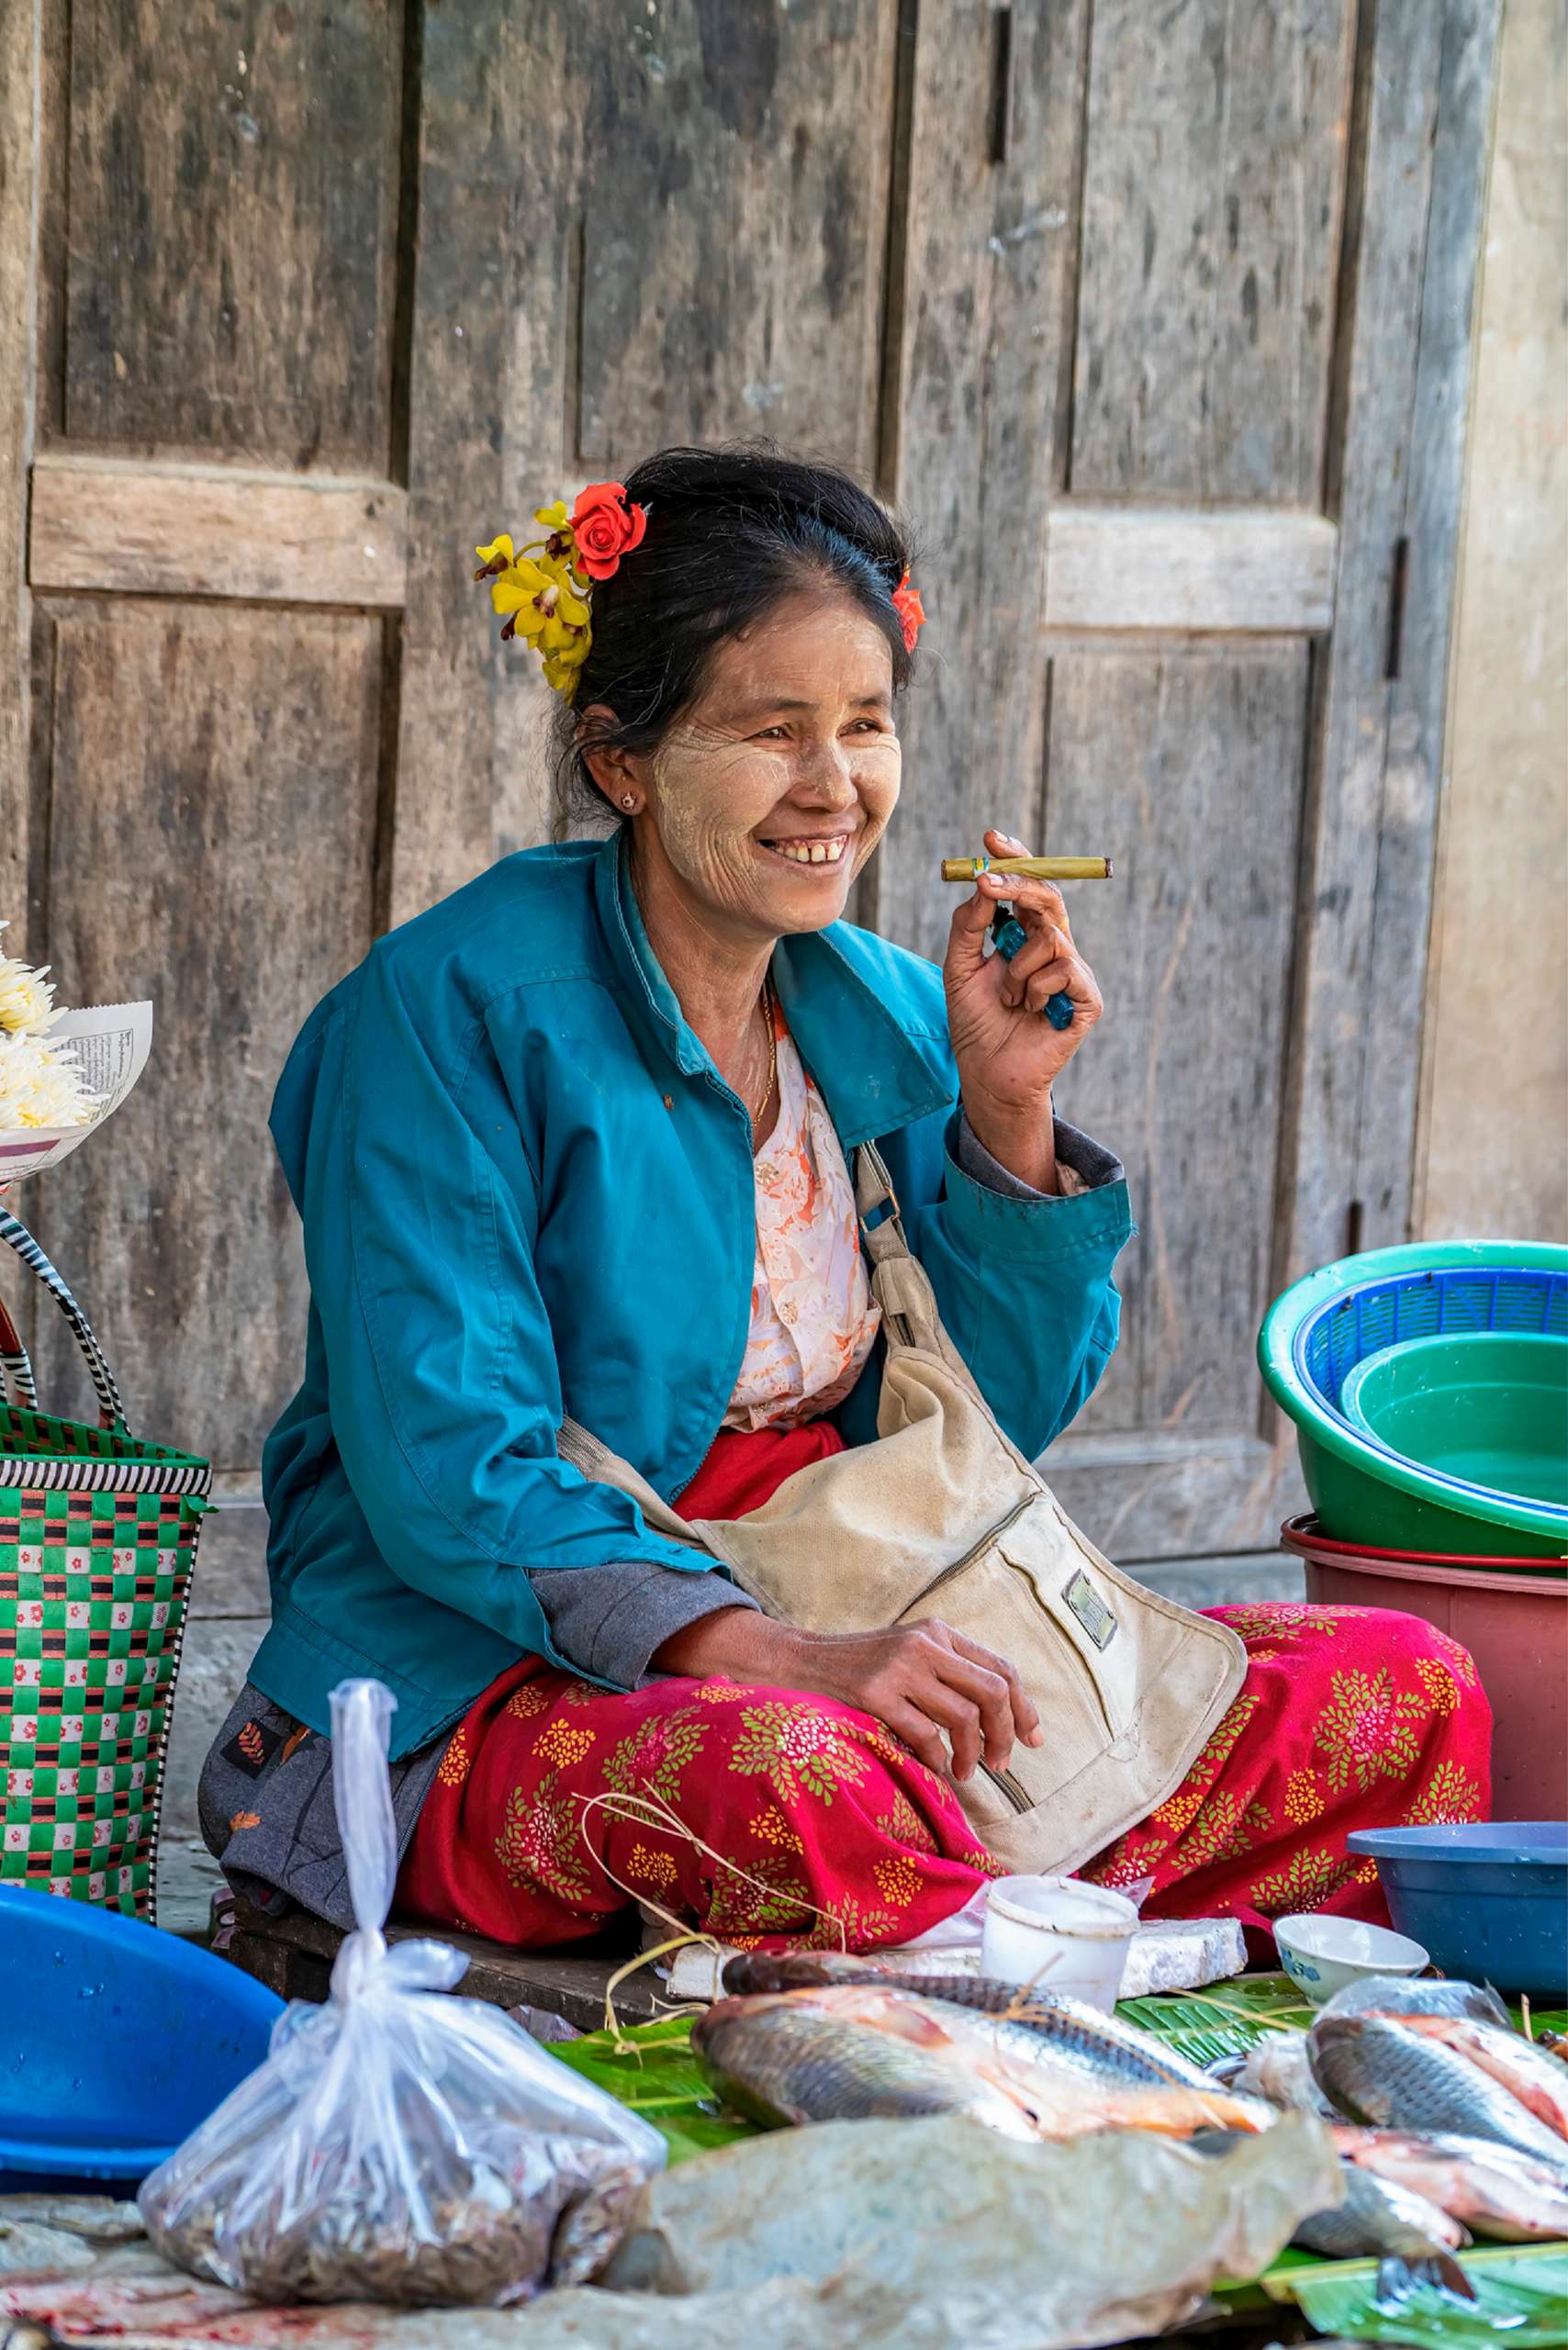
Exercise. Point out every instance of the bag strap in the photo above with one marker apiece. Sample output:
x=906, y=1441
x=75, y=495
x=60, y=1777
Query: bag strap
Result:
x=111, y=1413
x=16, y=1369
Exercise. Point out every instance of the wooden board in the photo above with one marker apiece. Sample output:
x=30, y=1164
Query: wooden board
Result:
x=18, y=34
x=210, y=826
x=1187, y=767
x=1211, y=239
x=232, y=210
x=975, y=384
x=563, y=300
x=1241, y=572
x=181, y=529
x=1417, y=112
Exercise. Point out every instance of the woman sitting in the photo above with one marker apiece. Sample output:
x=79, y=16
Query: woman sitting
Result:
x=578, y=1150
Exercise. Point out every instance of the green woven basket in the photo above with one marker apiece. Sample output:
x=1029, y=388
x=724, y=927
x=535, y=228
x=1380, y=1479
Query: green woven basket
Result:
x=97, y=1540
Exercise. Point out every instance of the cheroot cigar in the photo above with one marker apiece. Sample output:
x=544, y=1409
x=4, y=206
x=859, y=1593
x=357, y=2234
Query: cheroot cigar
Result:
x=1030, y=868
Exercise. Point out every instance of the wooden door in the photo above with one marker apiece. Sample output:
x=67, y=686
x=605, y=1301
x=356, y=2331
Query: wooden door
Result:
x=1157, y=323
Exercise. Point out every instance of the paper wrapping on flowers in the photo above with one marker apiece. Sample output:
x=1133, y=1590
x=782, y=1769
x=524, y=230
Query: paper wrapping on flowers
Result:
x=109, y=1045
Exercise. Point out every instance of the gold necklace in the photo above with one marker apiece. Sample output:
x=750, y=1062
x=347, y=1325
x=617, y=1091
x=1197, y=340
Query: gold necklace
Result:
x=772, y=1051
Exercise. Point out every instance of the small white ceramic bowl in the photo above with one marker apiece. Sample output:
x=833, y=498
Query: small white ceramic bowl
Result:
x=1322, y=1955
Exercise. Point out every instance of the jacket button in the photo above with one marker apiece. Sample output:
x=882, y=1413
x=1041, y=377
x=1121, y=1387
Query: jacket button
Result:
x=668, y=1102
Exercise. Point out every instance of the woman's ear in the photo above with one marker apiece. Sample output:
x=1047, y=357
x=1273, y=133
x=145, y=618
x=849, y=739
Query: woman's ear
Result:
x=614, y=771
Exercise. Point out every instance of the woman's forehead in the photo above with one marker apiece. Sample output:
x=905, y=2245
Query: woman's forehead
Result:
x=805, y=652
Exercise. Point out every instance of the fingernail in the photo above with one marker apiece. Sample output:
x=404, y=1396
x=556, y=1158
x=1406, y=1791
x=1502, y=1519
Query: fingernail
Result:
x=1037, y=1736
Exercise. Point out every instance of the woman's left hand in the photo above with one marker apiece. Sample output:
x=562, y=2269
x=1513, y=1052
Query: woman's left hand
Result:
x=1008, y=1054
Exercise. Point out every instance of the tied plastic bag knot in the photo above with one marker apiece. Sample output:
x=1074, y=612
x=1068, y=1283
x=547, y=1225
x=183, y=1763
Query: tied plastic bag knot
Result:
x=399, y=2145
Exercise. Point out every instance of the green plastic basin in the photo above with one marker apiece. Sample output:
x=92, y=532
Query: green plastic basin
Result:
x=1487, y=1407
x=1369, y=1489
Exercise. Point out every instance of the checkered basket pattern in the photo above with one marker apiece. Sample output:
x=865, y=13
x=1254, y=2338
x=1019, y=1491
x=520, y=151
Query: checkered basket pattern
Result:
x=97, y=1540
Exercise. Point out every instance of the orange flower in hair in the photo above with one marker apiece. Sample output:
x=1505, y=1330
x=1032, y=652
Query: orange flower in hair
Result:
x=910, y=609
x=605, y=528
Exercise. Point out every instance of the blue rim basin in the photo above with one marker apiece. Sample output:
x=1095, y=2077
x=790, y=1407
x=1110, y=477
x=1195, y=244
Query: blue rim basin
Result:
x=1487, y=1898
x=115, y=2041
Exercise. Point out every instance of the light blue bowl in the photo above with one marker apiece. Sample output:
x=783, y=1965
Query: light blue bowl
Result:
x=1488, y=1899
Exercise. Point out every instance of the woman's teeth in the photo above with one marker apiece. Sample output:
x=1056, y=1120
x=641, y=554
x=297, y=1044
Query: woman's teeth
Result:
x=811, y=852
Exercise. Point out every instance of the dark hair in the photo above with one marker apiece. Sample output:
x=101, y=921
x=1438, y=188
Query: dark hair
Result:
x=731, y=532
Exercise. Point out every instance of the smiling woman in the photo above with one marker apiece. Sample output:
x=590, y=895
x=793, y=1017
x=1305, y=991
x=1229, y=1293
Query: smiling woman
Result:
x=695, y=1279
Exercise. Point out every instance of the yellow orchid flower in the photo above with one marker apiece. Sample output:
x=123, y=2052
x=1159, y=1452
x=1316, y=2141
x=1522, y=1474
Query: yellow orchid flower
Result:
x=563, y=675
x=542, y=605
x=495, y=557
x=556, y=518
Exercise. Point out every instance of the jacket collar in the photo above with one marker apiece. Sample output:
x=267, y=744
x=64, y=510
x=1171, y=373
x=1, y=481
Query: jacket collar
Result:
x=876, y=1073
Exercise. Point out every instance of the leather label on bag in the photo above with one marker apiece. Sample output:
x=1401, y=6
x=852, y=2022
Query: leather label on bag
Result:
x=1090, y=1610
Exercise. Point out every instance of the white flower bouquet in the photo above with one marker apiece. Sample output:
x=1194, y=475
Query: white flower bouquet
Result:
x=61, y=1072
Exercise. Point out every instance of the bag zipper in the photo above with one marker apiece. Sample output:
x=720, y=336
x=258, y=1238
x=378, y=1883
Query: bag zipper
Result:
x=974, y=1551
x=1008, y=1786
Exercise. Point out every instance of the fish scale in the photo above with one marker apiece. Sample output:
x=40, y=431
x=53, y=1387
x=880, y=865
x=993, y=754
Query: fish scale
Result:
x=1381, y=2074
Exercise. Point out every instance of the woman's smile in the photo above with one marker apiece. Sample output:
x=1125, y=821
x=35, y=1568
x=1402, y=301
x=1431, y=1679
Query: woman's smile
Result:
x=810, y=849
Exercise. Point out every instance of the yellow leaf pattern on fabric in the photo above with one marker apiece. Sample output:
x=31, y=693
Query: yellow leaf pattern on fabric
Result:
x=846, y=1925
x=651, y=1760
x=769, y=1897
x=539, y=1843
x=1450, y=1793
x=802, y=1753
x=562, y=1744
x=901, y=1824
x=1366, y=1732
x=659, y=1869
x=771, y=1827
x=1307, y=1879
x=531, y=1699
x=899, y=1879
x=455, y=1762
x=1439, y=1683
x=1303, y=1797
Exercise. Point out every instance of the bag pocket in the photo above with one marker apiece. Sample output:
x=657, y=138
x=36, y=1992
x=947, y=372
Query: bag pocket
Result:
x=1029, y=1593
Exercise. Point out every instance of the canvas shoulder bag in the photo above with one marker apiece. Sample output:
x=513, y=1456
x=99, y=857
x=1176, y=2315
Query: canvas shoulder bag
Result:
x=944, y=1517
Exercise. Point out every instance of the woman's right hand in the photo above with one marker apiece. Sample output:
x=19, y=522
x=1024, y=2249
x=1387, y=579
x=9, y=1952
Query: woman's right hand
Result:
x=921, y=1680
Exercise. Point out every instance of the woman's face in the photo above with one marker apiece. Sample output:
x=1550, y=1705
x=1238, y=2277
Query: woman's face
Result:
x=767, y=798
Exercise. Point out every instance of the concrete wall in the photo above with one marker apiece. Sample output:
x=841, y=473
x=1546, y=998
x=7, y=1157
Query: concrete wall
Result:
x=1494, y=1141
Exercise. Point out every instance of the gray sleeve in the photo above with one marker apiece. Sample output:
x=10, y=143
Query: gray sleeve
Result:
x=1082, y=1164
x=610, y=1619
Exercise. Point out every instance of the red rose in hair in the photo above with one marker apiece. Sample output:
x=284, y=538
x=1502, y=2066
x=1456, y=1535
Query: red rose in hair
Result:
x=605, y=529
x=910, y=609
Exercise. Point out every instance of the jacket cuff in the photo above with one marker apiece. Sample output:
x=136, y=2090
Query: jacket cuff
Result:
x=1082, y=1164
x=1026, y=1226
x=610, y=1620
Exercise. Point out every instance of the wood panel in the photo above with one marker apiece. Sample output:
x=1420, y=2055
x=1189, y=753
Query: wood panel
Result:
x=719, y=184
x=731, y=259
x=18, y=36
x=1187, y=769
x=1211, y=236
x=182, y=530
x=210, y=830
x=976, y=383
x=1422, y=74
x=232, y=214
x=1239, y=572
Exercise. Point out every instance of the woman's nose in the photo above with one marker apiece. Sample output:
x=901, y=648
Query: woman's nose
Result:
x=829, y=779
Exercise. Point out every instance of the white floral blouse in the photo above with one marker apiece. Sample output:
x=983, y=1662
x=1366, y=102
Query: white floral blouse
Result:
x=814, y=1319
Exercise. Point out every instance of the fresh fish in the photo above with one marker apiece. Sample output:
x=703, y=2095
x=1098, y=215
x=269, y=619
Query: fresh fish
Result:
x=1413, y=2238
x=781, y=2064
x=1537, y=2077
x=1381, y=2074
x=1102, y=2046
x=1402, y=1995
x=1057, y=2099
x=1508, y=2196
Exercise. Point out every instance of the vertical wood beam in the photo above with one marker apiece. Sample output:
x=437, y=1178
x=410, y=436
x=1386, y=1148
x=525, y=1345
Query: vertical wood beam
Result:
x=1412, y=242
x=20, y=39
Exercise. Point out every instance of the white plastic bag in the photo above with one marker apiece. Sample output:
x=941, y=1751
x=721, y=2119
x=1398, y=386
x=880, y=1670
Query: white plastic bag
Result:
x=399, y=2145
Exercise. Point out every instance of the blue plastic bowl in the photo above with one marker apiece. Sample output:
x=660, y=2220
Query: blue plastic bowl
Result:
x=115, y=2041
x=1489, y=1900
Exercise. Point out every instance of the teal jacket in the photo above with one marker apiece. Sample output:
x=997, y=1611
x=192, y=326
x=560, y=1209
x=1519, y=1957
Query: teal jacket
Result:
x=527, y=1193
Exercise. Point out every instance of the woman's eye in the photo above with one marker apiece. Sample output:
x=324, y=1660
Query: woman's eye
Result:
x=772, y=733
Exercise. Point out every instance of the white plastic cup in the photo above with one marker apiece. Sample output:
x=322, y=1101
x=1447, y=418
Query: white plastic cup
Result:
x=1057, y=1936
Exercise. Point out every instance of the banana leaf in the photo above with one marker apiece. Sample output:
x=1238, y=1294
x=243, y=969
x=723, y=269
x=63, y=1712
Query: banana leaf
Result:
x=649, y=2067
x=1229, y=2018
x=1521, y=2299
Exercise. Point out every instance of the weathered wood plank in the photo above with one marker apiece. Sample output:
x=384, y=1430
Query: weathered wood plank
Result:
x=179, y=530
x=1238, y=571
x=209, y=845
x=1147, y=1497
x=18, y=99
x=298, y=1950
x=1212, y=205
x=979, y=366
x=1187, y=770
x=1397, y=137
x=1418, y=696
x=233, y=198
x=563, y=305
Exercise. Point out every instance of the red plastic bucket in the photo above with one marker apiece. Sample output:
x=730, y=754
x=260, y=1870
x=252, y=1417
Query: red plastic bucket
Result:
x=1515, y=1625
